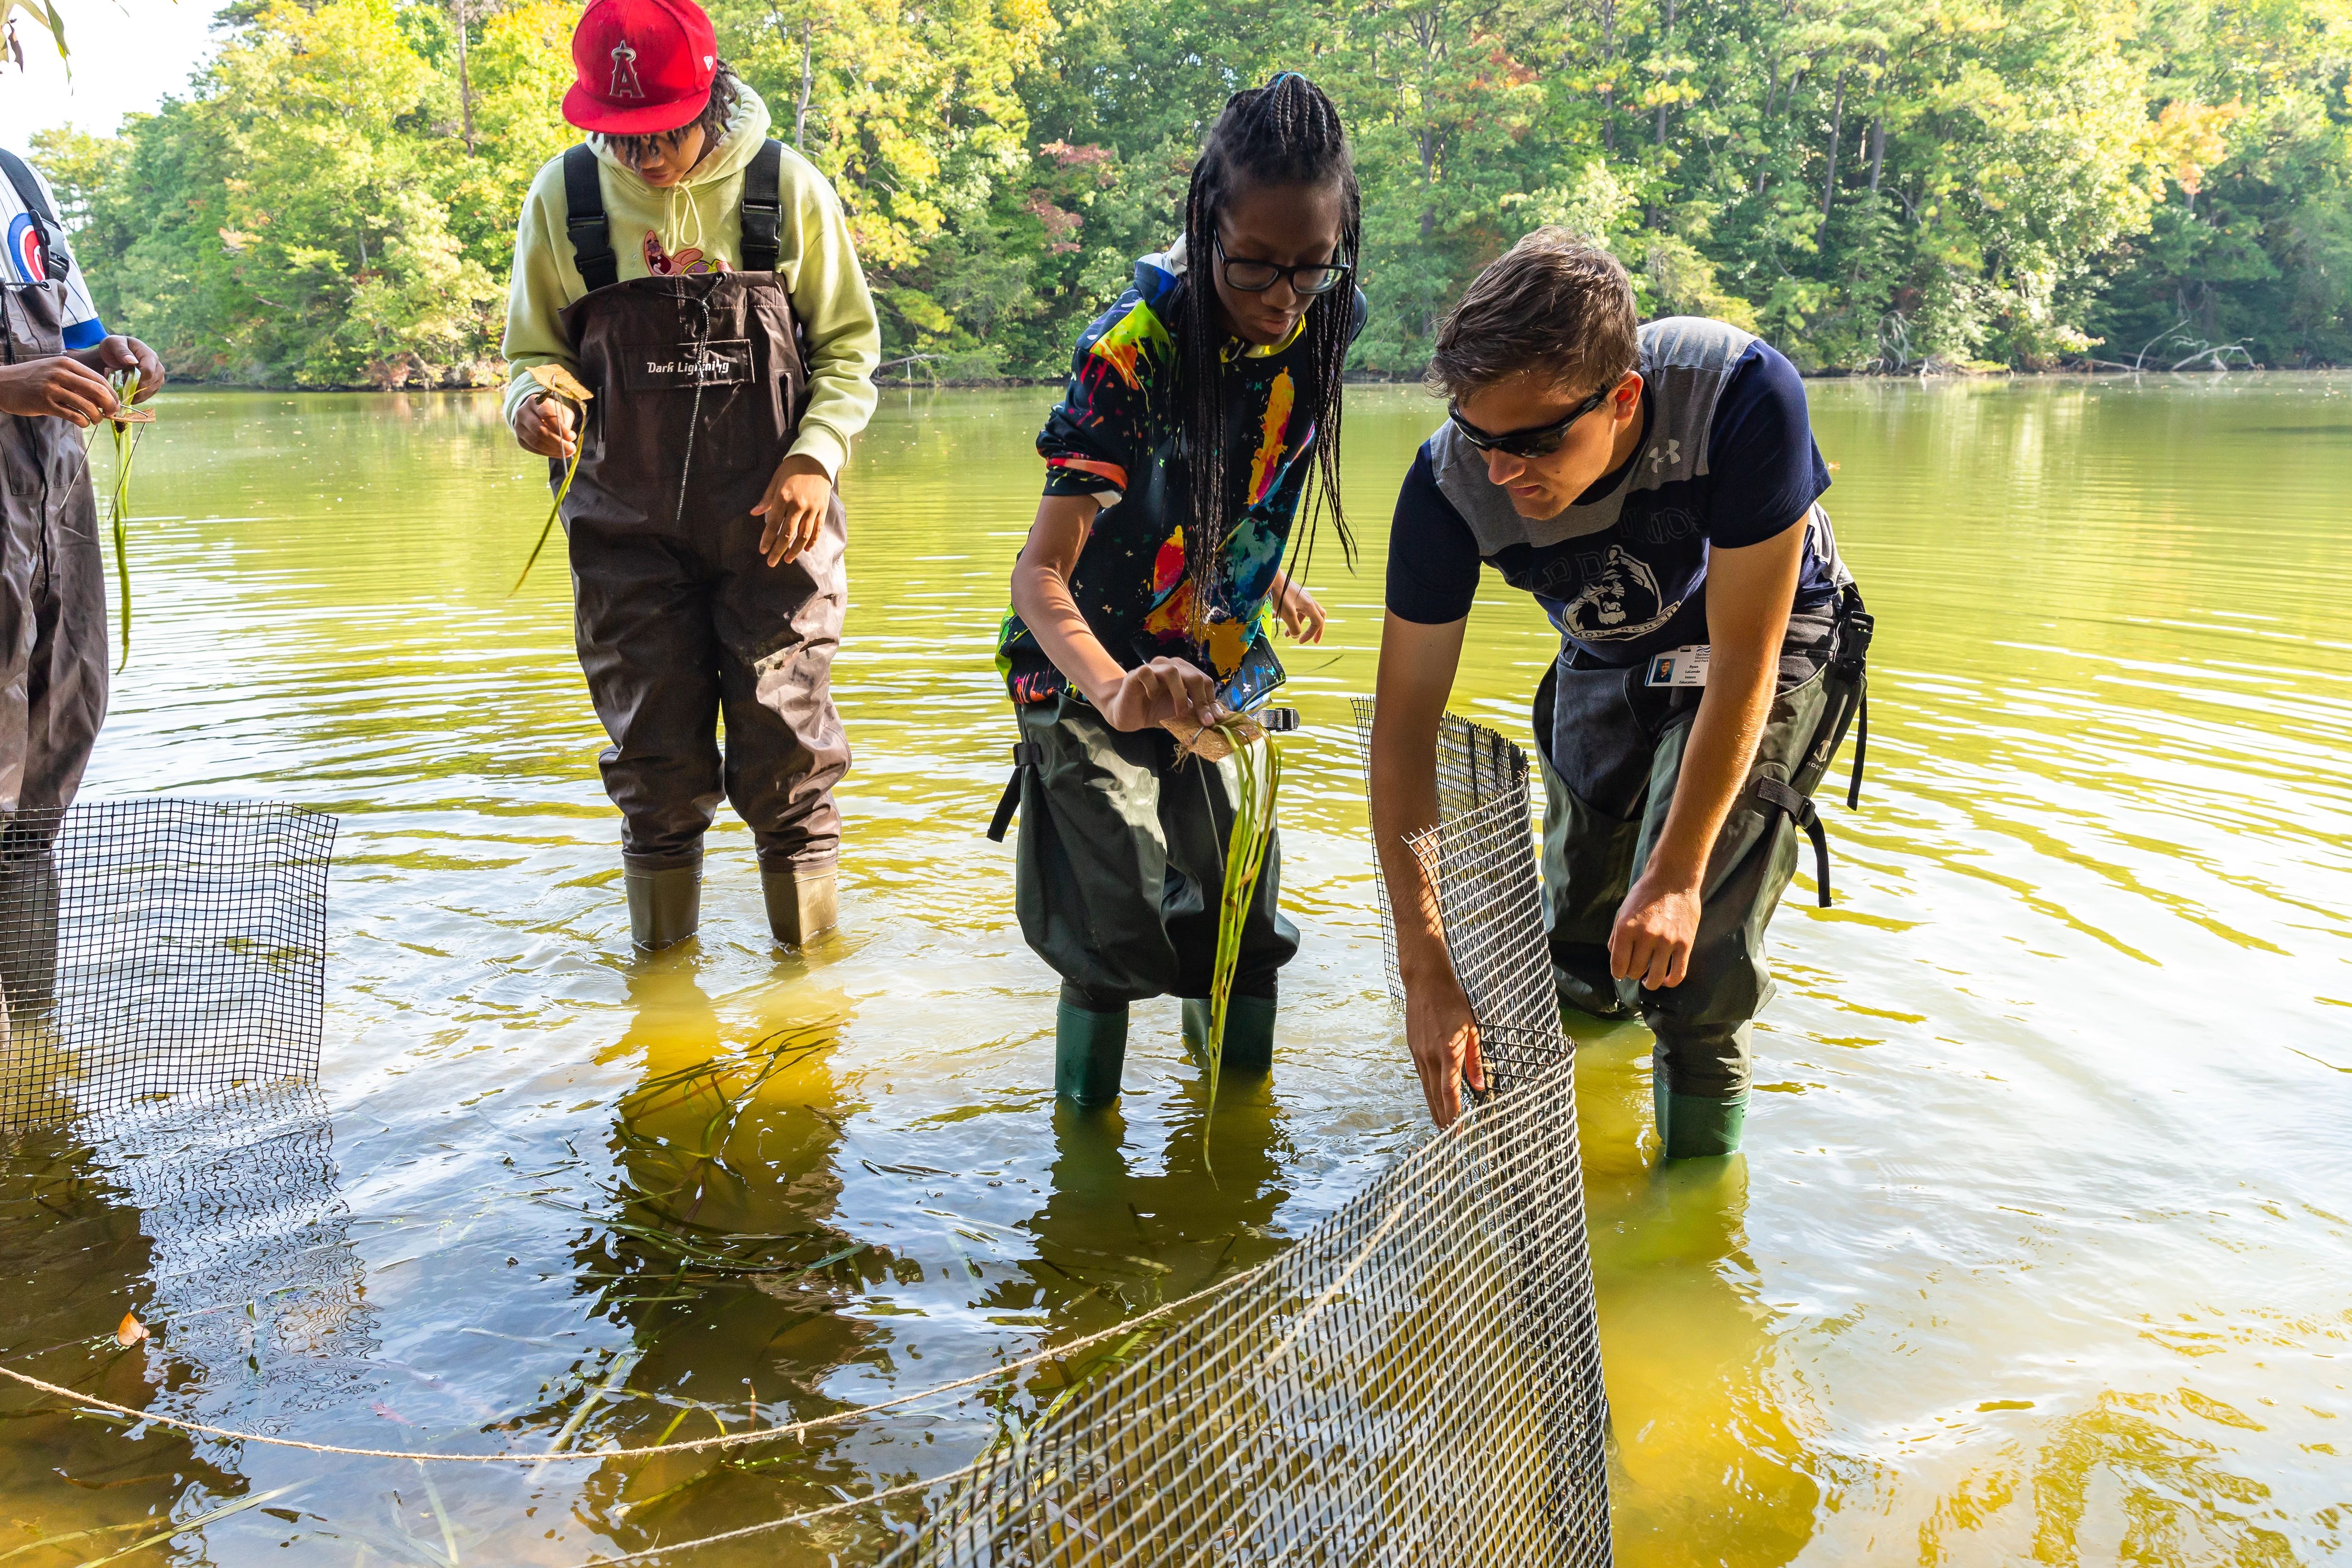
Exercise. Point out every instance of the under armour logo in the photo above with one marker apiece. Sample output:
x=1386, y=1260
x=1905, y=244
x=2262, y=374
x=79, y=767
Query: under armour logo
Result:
x=1672, y=452
x=625, y=72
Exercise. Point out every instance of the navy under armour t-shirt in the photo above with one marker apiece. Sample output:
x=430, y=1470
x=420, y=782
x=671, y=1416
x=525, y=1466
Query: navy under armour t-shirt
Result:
x=1726, y=459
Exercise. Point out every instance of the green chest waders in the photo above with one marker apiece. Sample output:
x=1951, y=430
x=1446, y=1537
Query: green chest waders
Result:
x=679, y=620
x=1118, y=875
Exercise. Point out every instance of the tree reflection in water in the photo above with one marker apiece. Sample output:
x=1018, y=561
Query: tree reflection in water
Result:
x=719, y=1250
x=221, y=1228
x=1113, y=1240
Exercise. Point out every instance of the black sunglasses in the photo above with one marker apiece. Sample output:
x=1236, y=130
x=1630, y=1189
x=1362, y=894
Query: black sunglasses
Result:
x=1538, y=441
x=1252, y=276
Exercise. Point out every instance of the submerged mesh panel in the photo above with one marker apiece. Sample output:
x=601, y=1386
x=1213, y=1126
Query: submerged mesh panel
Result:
x=1418, y=1379
x=157, y=947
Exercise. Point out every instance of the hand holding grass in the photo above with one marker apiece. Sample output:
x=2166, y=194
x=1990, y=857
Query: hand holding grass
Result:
x=1164, y=691
x=116, y=354
x=548, y=424
x=59, y=387
x=547, y=427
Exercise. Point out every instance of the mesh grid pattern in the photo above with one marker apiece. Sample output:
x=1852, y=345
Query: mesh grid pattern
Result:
x=239, y=1199
x=1418, y=1379
x=158, y=948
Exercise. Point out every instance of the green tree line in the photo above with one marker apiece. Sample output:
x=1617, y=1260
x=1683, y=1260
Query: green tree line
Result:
x=1872, y=186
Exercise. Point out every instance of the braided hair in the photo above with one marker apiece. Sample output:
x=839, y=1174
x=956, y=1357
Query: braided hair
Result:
x=1283, y=133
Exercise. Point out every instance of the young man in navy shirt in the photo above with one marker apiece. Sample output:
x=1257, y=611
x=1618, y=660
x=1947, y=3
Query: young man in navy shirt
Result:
x=1656, y=488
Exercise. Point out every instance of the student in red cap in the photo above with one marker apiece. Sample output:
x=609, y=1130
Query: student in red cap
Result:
x=698, y=278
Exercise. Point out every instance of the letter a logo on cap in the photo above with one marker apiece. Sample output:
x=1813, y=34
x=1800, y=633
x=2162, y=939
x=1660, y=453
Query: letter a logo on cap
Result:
x=625, y=72
x=640, y=67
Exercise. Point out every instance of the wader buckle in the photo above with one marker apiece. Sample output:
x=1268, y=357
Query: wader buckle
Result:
x=1780, y=797
x=1026, y=758
x=1277, y=720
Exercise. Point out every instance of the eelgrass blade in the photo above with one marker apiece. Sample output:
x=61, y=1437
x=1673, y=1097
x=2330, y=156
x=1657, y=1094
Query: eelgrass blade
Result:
x=254, y=1499
x=1258, y=767
x=552, y=513
x=125, y=384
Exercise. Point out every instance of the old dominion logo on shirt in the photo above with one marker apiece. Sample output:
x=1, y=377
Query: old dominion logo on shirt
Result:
x=1619, y=599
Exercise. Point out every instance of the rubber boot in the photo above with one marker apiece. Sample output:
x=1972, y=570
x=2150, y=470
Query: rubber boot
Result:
x=1090, y=1049
x=665, y=906
x=28, y=932
x=1249, y=1032
x=803, y=904
x=1692, y=1127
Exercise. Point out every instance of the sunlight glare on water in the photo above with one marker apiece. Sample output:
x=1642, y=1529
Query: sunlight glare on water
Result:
x=2036, y=1253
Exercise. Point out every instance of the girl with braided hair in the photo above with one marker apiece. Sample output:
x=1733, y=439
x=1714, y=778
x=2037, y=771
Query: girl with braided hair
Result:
x=1201, y=418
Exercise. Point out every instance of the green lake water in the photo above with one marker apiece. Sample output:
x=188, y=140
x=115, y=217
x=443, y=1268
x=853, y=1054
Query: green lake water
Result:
x=2039, y=1250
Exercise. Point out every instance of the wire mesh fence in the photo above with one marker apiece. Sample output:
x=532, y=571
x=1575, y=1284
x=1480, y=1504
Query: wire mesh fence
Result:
x=1418, y=1379
x=158, y=948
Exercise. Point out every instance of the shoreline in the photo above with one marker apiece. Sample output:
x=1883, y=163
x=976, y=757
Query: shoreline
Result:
x=2100, y=370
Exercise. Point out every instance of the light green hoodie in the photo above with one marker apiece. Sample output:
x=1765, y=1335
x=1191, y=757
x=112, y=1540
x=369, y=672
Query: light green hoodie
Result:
x=705, y=211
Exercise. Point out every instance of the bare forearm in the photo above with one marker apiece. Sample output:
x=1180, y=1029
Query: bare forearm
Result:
x=1416, y=675
x=1041, y=598
x=1715, y=759
x=1404, y=806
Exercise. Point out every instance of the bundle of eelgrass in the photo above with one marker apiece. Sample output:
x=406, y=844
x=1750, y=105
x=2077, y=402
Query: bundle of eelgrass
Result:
x=559, y=384
x=125, y=427
x=1259, y=766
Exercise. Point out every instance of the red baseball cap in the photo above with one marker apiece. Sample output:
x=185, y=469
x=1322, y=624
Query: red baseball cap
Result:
x=644, y=66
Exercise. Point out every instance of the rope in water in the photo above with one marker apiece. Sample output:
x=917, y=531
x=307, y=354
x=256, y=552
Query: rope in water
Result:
x=904, y=1489
x=699, y=1444
x=1323, y=1298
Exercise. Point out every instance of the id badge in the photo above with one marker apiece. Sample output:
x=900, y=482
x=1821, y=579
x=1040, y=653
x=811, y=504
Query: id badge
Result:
x=1685, y=666
x=682, y=367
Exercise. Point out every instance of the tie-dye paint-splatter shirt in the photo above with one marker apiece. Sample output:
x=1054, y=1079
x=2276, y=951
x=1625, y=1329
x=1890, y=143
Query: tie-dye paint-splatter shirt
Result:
x=1114, y=437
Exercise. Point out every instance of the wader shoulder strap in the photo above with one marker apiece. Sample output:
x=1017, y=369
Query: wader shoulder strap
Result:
x=54, y=264
x=1026, y=758
x=1857, y=626
x=583, y=218
x=763, y=208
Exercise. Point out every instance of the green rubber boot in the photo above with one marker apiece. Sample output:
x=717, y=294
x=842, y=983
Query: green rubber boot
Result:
x=1249, y=1032
x=1692, y=1127
x=1089, y=1049
x=664, y=906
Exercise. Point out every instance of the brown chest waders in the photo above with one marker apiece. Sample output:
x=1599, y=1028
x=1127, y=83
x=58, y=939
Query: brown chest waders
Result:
x=53, y=671
x=699, y=387
x=1611, y=756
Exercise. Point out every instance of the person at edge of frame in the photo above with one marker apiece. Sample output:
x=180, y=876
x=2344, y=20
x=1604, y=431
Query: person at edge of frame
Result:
x=54, y=362
x=1194, y=424
x=1658, y=489
x=697, y=276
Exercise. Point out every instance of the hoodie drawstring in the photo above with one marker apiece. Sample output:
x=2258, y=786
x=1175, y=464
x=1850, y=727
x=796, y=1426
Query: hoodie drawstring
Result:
x=674, y=234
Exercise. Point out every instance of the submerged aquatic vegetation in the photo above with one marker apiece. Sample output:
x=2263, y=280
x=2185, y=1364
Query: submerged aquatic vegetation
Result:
x=126, y=426
x=559, y=384
x=1258, y=765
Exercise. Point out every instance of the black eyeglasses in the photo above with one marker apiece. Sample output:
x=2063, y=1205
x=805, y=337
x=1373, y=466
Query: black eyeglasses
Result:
x=1538, y=441
x=1252, y=276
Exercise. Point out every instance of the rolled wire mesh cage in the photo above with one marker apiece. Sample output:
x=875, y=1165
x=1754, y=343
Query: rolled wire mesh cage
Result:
x=154, y=948
x=1418, y=1379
